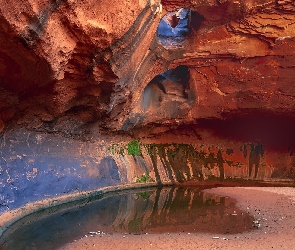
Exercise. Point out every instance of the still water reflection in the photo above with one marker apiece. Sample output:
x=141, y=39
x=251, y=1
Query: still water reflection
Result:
x=173, y=209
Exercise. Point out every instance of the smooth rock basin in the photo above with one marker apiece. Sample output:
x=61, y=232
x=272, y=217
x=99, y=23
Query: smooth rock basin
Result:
x=149, y=210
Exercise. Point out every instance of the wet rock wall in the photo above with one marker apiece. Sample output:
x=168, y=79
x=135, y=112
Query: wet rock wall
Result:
x=36, y=166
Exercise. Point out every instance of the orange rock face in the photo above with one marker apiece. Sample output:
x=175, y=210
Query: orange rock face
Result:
x=58, y=58
x=67, y=64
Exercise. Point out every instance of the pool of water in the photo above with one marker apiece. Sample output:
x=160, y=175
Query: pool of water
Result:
x=151, y=210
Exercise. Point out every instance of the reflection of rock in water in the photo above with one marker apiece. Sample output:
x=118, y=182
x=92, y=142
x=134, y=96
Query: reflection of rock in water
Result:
x=175, y=209
x=181, y=210
x=190, y=210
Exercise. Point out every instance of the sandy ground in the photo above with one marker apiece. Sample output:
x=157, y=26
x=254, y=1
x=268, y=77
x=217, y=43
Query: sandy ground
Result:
x=272, y=207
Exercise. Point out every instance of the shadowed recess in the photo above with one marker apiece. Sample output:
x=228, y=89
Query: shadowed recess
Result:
x=167, y=96
x=273, y=129
x=165, y=83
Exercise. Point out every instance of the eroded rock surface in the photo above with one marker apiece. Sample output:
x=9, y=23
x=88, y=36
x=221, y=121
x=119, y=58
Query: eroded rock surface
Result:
x=65, y=64
x=210, y=84
x=62, y=61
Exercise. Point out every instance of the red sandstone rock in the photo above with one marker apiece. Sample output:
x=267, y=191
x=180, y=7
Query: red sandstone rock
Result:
x=90, y=61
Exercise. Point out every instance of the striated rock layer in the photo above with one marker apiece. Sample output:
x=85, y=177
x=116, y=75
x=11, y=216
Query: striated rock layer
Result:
x=67, y=64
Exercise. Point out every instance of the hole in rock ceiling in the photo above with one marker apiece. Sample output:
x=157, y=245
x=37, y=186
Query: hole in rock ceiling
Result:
x=175, y=27
x=173, y=82
x=167, y=96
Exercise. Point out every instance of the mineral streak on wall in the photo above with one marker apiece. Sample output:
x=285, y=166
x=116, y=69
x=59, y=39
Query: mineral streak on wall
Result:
x=36, y=166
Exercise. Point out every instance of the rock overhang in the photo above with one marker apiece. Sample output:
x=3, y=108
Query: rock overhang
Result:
x=90, y=65
x=77, y=70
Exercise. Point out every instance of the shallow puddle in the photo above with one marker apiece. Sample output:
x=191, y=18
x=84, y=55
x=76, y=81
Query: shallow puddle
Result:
x=173, y=209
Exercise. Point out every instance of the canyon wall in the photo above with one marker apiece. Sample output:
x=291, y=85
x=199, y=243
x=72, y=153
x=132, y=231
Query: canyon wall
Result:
x=37, y=166
x=68, y=65
x=205, y=90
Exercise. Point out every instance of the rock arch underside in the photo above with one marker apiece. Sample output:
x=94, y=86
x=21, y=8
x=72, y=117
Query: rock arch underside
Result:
x=111, y=94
